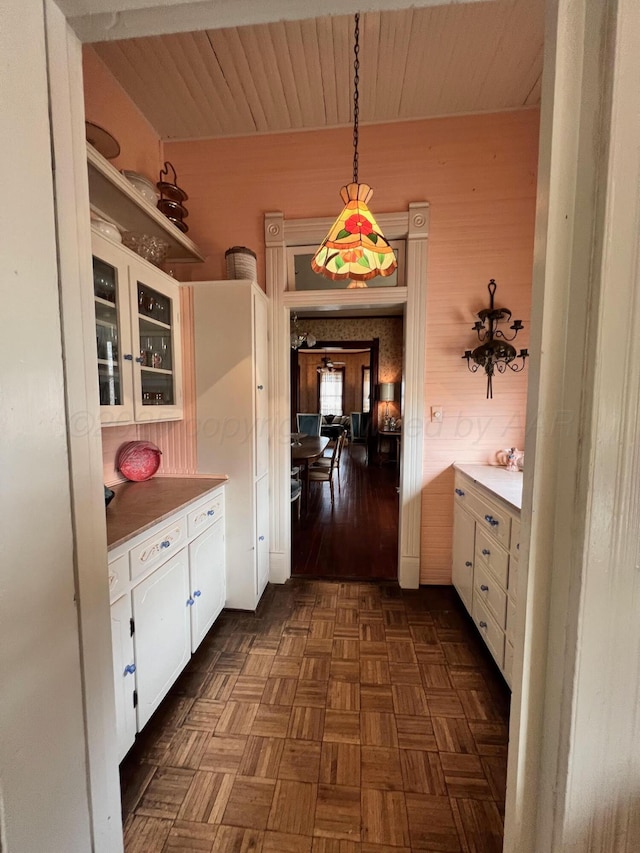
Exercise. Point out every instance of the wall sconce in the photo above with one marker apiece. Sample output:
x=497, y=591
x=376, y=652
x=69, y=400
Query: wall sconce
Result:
x=494, y=352
x=298, y=337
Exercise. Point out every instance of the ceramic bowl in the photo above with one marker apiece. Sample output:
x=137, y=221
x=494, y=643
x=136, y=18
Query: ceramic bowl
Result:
x=107, y=229
x=144, y=186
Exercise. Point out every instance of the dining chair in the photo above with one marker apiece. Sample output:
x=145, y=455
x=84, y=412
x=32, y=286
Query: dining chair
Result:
x=360, y=430
x=326, y=461
x=324, y=474
x=309, y=423
x=296, y=493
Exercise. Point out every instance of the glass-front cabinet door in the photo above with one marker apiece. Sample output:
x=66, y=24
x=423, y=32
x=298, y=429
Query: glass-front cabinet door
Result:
x=156, y=326
x=113, y=333
x=138, y=344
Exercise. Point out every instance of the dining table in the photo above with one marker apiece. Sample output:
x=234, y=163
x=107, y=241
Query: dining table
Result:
x=304, y=452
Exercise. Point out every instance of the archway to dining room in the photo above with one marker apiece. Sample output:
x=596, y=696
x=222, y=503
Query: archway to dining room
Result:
x=283, y=239
x=344, y=525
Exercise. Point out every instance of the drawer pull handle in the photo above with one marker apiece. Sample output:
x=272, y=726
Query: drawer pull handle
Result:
x=482, y=624
x=460, y=493
x=129, y=669
x=468, y=563
x=486, y=552
x=197, y=593
x=484, y=587
x=491, y=520
x=211, y=512
x=518, y=547
x=165, y=543
x=190, y=602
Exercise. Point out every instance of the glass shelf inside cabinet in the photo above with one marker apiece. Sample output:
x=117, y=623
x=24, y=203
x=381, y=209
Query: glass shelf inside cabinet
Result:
x=105, y=283
x=156, y=347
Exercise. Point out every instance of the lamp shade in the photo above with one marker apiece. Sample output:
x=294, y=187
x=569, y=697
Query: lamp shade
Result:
x=387, y=392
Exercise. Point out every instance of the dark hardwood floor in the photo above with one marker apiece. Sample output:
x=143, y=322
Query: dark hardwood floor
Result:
x=342, y=717
x=358, y=537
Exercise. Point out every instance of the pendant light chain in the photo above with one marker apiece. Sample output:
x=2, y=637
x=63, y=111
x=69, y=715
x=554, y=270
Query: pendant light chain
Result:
x=356, y=94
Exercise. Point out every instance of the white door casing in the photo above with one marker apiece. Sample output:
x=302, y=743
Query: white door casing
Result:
x=412, y=226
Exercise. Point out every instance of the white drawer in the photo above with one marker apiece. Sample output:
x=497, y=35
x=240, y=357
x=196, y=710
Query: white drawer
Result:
x=507, y=669
x=494, y=556
x=206, y=514
x=163, y=544
x=118, y=576
x=490, y=631
x=494, y=520
x=511, y=620
x=493, y=596
x=463, y=494
x=514, y=547
x=514, y=565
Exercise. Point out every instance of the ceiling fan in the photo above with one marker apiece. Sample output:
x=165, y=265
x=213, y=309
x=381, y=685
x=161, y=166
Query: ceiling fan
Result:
x=328, y=365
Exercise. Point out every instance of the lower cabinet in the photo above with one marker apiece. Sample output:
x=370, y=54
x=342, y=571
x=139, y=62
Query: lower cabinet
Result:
x=160, y=615
x=207, y=579
x=162, y=636
x=486, y=544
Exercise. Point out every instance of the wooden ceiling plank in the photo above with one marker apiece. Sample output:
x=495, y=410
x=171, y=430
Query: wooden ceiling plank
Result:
x=314, y=70
x=327, y=56
x=424, y=64
x=232, y=116
x=222, y=46
x=288, y=74
x=296, y=45
x=265, y=75
x=370, y=60
x=209, y=103
x=244, y=68
x=343, y=52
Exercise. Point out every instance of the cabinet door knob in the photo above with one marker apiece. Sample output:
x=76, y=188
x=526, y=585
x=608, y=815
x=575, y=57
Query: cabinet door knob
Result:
x=197, y=593
x=460, y=492
x=211, y=512
x=129, y=669
x=260, y=538
x=190, y=602
x=165, y=544
x=482, y=624
x=484, y=587
x=486, y=552
x=128, y=356
x=468, y=563
x=260, y=387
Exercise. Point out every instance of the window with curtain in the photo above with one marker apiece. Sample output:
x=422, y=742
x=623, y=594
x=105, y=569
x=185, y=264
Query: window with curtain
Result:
x=366, y=389
x=331, y=392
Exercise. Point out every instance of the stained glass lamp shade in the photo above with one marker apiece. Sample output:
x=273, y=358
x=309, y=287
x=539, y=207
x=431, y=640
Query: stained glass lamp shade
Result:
x=355, y=247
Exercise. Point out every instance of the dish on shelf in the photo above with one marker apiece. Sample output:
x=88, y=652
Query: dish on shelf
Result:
x=144, y=186
x=138, y=460
x=101, y=140
x=148, y=246
x=106, y=228
x=182, y=226
x=172, y=209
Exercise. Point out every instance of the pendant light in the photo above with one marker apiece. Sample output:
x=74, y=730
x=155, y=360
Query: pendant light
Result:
x=355, y=248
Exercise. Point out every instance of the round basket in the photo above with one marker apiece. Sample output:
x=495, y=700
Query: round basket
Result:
x=138, y=460
x=241, y=263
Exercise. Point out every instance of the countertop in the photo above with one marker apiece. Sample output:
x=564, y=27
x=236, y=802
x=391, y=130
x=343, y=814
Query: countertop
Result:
x=138, y=506
x=505, y=484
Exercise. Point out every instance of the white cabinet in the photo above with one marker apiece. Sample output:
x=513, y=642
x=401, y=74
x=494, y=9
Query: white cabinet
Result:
x=138, y=340
x=167, y=588
x=162, y=636
x=123, y=673
x=486, y=543
x=230, y=325
x=207, y=580
x=464, y=531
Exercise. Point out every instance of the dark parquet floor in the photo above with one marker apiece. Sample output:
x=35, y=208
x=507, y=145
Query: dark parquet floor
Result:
x=343, y=717
x=358, y=537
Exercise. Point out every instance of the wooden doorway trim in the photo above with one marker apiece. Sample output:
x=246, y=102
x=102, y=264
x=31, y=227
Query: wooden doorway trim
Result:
x=411, y=226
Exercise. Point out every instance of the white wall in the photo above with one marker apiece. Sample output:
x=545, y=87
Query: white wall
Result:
x=43, y=787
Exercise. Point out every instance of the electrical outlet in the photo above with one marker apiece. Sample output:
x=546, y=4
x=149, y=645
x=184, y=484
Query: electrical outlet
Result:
x=436, y=413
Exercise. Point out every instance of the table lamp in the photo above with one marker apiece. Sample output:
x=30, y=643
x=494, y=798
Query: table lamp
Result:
x=387, y=395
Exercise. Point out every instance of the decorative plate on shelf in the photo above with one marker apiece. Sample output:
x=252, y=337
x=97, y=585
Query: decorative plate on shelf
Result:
x=101, y=140
x=138, y=460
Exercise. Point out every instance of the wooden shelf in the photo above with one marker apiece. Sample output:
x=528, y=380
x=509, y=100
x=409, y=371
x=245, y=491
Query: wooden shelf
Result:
x=113, y=197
